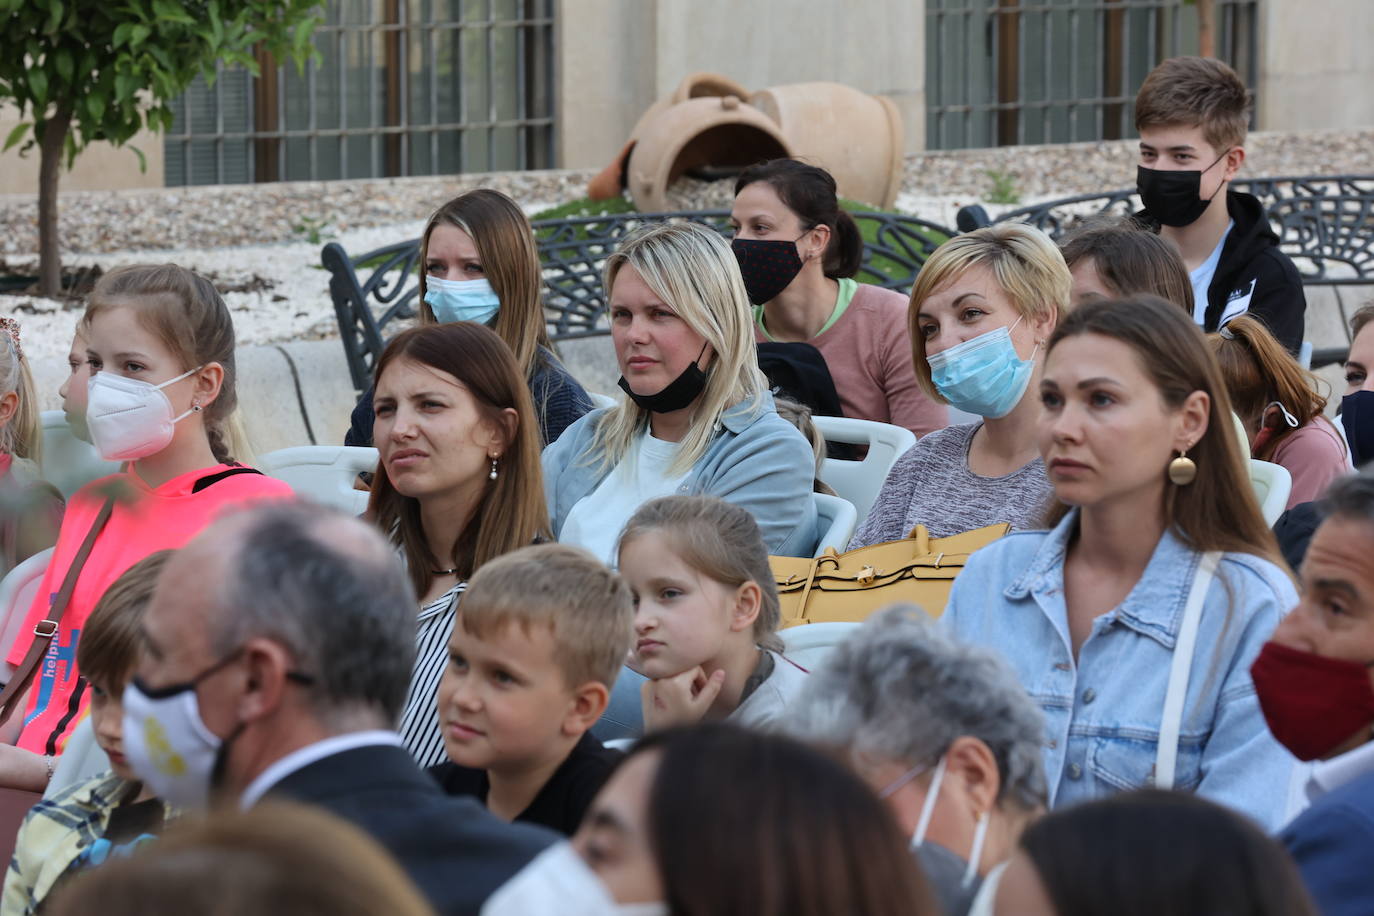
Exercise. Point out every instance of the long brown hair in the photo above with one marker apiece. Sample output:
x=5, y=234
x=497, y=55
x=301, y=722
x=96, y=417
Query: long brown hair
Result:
x=512, y=512
x=792, y=831
x=510, y=261
x=1218, y=510
x=1258, y=371
x=188, y=315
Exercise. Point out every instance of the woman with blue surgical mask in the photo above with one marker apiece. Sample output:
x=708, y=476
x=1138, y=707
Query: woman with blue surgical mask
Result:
x=982, y=308
x=479, y=262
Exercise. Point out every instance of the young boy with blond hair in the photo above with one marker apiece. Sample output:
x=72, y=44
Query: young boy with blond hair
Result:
x=538, y=641
x=1192, y=114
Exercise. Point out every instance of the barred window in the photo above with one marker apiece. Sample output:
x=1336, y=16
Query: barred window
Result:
x=401, y=87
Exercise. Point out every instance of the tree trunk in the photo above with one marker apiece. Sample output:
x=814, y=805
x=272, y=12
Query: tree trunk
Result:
x=1206, y=29
x=50, y=145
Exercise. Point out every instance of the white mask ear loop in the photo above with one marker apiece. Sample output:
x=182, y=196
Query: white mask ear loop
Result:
x=195, y=408
x=975, y=855
x=928, y=807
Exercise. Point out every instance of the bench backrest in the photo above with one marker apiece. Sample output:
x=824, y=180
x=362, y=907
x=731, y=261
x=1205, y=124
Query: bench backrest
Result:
x=1325, y=224
x=372, y=290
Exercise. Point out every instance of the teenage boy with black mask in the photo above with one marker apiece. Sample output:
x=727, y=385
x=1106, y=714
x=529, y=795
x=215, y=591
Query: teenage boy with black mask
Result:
x=1192, y=115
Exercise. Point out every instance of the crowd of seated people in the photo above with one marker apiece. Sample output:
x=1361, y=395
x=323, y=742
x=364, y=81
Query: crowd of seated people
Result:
x=547, y=670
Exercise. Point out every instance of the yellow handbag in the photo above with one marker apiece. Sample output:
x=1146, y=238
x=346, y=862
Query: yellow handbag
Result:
x=849, y=586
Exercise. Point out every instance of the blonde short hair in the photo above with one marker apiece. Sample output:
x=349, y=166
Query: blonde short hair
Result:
x=693, y=270
x=587, y=607
x=1026, y=264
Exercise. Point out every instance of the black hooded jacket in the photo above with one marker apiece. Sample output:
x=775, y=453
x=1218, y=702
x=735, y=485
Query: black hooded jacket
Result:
x=1252, y=268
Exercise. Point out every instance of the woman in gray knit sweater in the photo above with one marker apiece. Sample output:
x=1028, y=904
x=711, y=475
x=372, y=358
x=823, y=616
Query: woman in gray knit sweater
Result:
x=981, y=310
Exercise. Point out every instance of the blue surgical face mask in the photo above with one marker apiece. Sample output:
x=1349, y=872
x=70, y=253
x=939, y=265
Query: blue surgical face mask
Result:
x=461, y=300
x=983, y=376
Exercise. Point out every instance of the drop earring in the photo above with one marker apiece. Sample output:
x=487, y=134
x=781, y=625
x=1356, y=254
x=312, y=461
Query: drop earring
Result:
x=1182, y=470
x=492, y=475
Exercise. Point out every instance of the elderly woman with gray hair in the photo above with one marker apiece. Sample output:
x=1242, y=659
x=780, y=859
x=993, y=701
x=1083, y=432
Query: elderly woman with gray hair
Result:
x=945, y=734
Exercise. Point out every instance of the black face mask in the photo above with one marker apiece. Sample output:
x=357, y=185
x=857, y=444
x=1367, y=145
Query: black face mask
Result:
x=1174, y=198
x=768, y=266
x=679, y=393
x=1357, y=416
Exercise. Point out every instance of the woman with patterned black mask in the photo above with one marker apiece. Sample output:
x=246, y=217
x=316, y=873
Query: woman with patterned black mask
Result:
x=799, y=252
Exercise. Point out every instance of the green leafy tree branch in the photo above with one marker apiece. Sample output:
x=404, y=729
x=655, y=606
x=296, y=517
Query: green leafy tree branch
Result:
x=84, y=70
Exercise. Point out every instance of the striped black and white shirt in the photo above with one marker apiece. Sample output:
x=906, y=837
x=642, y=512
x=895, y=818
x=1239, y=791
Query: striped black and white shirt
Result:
x=419, y=727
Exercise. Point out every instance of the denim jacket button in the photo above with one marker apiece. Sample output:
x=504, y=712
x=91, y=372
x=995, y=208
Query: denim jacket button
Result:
x=1062, y=666
x=1089, y=695
x=1075, y=771
x=1051, y=744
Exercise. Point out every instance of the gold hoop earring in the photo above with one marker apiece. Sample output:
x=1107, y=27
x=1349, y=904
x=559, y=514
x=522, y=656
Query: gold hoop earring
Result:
x=1182, y=470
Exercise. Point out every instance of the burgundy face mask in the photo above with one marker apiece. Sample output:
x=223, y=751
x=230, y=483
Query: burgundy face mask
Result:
x=1312, y=703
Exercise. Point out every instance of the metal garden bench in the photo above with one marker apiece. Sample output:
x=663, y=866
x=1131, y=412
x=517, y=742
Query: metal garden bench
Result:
x=1325, y=224
x=372, y=290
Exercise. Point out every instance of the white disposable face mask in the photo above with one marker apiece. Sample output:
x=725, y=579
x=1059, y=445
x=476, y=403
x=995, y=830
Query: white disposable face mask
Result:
x=557, y=882
x=167, y=743
x=980, y=833
x=129, y=419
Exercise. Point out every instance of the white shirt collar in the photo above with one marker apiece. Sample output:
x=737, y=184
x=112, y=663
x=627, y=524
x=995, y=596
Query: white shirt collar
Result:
x=302, y=758
x=1329, y=775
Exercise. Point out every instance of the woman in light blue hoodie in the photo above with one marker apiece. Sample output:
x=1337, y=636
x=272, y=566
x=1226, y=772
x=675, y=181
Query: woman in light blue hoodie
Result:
x=1134, y=621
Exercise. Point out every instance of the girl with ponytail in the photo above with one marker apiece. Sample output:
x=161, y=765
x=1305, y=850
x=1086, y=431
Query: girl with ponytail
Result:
x=160, y=346
x=799, y=253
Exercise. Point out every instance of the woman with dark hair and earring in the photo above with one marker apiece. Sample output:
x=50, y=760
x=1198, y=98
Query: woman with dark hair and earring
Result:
x=1135, y=620
x=457, y=484
x=479, y=262
x=1146, y=853
x=789, y=832
x=799, y=252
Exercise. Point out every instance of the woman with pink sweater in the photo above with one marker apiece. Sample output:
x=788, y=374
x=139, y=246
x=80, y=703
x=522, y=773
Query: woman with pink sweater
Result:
x=799, y=252
x=1280, y=407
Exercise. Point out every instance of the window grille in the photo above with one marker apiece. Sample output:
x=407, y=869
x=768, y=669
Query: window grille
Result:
x=401, y=87
x=1005, y=72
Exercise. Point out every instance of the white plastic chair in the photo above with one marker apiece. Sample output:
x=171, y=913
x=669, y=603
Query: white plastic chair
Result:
x=323, y=473
x=68, y=463
x=860, y=481
x=1272, y=484
x=601, y=400
x=17, y=591
x=808, y=644
x=836, y=520
x=81, y=760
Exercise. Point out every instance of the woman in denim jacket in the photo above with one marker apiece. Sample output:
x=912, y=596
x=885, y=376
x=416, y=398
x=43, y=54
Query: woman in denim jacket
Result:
x=1136, y=436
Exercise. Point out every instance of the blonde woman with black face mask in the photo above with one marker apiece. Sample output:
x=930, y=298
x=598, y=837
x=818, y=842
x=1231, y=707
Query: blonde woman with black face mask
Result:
x=696, y=416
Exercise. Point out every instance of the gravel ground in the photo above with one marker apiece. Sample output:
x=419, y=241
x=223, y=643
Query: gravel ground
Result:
x=254, y=240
